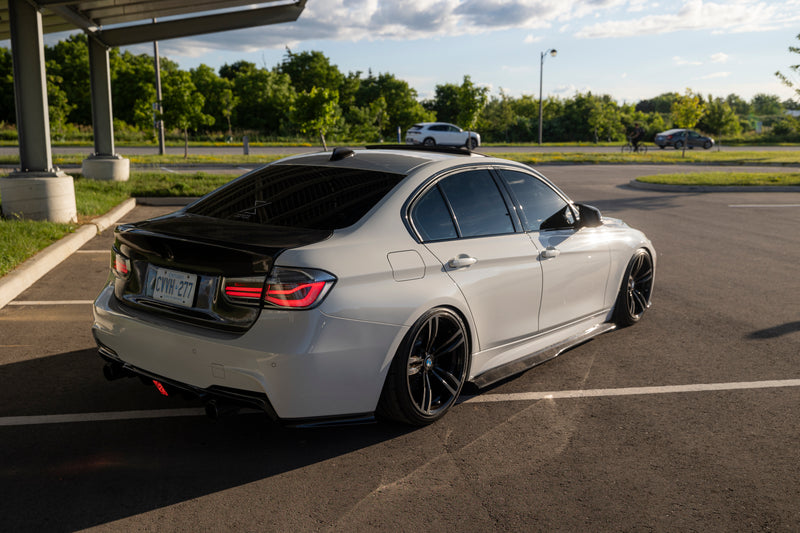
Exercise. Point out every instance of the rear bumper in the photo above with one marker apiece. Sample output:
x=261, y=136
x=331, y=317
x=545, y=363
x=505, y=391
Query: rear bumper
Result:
x=293, y=365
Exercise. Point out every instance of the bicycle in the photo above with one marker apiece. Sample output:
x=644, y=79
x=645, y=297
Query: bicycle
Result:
x=631, y=149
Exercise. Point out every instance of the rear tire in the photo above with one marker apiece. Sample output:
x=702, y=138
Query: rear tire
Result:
x=679, y=145
x=429, y=142
x=634, y=294
x=428, y=371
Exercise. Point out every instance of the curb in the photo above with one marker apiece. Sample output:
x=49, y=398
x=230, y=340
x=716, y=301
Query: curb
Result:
x=661, y=187
x=26, y=274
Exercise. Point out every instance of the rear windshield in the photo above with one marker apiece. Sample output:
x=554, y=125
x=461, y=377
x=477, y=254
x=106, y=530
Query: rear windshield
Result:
x=325, y=198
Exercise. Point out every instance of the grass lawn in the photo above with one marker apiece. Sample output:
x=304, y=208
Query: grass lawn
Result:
x=726, y=179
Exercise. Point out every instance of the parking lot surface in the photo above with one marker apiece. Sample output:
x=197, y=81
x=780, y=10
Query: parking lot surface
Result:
x=686, y=421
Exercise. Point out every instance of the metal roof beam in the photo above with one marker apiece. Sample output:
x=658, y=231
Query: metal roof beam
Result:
x=187, y=27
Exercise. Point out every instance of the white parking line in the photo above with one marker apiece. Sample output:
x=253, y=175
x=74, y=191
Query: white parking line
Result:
x=632, y=391
x=51, y=302
x=484, y=398
x=763, y=205
x=97, y=417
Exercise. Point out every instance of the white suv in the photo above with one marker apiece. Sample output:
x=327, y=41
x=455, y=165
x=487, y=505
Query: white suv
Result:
x=442, y=133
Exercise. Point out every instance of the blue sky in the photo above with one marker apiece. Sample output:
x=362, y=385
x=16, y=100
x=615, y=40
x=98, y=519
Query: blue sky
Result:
x=630, y=49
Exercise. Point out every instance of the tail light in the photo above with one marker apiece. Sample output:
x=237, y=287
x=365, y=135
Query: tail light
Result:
x=287, y=288
x=120, y=265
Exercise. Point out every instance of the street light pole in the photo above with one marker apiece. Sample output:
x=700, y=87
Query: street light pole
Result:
x=552, y=53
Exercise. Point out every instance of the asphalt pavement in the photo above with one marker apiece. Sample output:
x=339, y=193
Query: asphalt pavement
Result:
x=687, y=421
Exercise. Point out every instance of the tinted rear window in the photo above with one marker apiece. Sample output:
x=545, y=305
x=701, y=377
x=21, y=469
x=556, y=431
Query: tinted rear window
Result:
x=325, y=198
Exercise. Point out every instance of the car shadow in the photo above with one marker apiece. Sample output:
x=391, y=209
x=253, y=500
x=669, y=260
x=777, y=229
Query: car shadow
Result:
x=775, y=331
x=71, y=476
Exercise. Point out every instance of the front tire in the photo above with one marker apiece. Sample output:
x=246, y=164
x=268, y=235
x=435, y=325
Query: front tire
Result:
x=428, y=371
x=634, y=294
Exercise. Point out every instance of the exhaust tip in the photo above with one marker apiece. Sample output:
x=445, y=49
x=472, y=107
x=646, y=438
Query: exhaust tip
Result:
x=215, y=410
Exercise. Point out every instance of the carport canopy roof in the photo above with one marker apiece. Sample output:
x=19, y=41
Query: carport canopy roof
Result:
x=124, y=22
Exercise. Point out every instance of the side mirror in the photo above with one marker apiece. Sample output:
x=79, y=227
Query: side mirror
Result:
x=590, y=217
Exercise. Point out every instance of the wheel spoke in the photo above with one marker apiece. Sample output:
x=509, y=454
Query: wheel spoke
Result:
x=640, y=300
x=433, y=331
x=443, y=380
x=427, y=394
x=450, y=344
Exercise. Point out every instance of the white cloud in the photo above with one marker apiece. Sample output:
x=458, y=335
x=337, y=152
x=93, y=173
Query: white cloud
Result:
x=683, y=62
x=714, y=75
x=529, y=39
x=719, y=58
x=735, y=16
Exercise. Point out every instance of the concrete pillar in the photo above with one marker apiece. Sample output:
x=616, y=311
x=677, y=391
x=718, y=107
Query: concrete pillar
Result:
x=36, y=190
x=104, y=163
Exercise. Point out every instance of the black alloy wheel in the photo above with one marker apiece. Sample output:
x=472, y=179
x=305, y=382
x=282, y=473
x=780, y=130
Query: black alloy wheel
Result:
x=428, y=371
x=678, y=145
x=429, y=142
x=637, y=285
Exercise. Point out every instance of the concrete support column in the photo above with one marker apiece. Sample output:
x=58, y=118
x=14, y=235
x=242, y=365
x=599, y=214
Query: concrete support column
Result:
x=104, y=164
x=36, y=190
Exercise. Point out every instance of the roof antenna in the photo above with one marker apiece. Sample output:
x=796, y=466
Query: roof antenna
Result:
x=341, y=153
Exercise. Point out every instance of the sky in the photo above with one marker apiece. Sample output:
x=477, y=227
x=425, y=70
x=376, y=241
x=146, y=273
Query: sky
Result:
x=629, y=49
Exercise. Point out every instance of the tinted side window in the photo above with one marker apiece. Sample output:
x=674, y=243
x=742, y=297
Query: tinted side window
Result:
x=477, y=204
x=538, y=201
x=432, y=218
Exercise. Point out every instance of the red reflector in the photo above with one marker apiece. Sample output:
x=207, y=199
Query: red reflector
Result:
x=160, y=388
x=301, y=295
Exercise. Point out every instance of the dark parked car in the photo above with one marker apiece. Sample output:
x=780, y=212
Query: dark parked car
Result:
x=678, y=137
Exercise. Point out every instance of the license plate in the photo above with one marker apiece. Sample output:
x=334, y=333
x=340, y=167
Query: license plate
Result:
x=172, y=286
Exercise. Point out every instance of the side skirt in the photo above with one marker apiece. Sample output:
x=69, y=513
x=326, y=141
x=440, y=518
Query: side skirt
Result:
x=520, y=365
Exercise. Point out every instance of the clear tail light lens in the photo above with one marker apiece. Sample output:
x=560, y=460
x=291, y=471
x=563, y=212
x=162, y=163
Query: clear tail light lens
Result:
x=287, y=288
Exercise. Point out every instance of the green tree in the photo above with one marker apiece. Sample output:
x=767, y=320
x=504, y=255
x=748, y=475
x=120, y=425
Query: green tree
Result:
x=316, y=111
x=471, y=101
x=660, y=104
x=445, y=103
x=183, y=106
x=719, y=119
x=69, y=61
x=792, y=80
x=686, y=112
x=739, y=105
x=7, y=105
x=265, y=98
x=58, y=105
x=133, y=91
x=311, y=69
x=218, y=93
x=605, y=119
x=767, y=104
x=402, y=107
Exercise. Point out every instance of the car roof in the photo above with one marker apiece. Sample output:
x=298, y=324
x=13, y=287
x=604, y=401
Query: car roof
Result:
x=396, y=161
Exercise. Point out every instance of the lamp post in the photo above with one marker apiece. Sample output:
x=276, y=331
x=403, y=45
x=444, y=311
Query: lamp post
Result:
x=552, y=53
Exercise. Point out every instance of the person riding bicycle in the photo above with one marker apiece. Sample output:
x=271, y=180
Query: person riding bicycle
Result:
x=636, y=136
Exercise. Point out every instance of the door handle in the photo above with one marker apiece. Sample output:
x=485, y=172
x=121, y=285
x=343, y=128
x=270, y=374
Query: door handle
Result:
x=550, y=252
x=461, y=261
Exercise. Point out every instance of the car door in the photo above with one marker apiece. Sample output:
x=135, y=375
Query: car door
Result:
x=465, y=222
x=574, y=260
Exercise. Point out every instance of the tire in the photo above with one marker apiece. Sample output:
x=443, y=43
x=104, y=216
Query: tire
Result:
x=661, y=146
x=429, y=142
x=473, y=143
x=678, y=145
x=706, y=145
x=428, y=371
x=634, y=294
x=627, y=149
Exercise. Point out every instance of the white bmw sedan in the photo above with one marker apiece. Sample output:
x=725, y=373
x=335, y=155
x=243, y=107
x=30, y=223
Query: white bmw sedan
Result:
x=336, y=287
